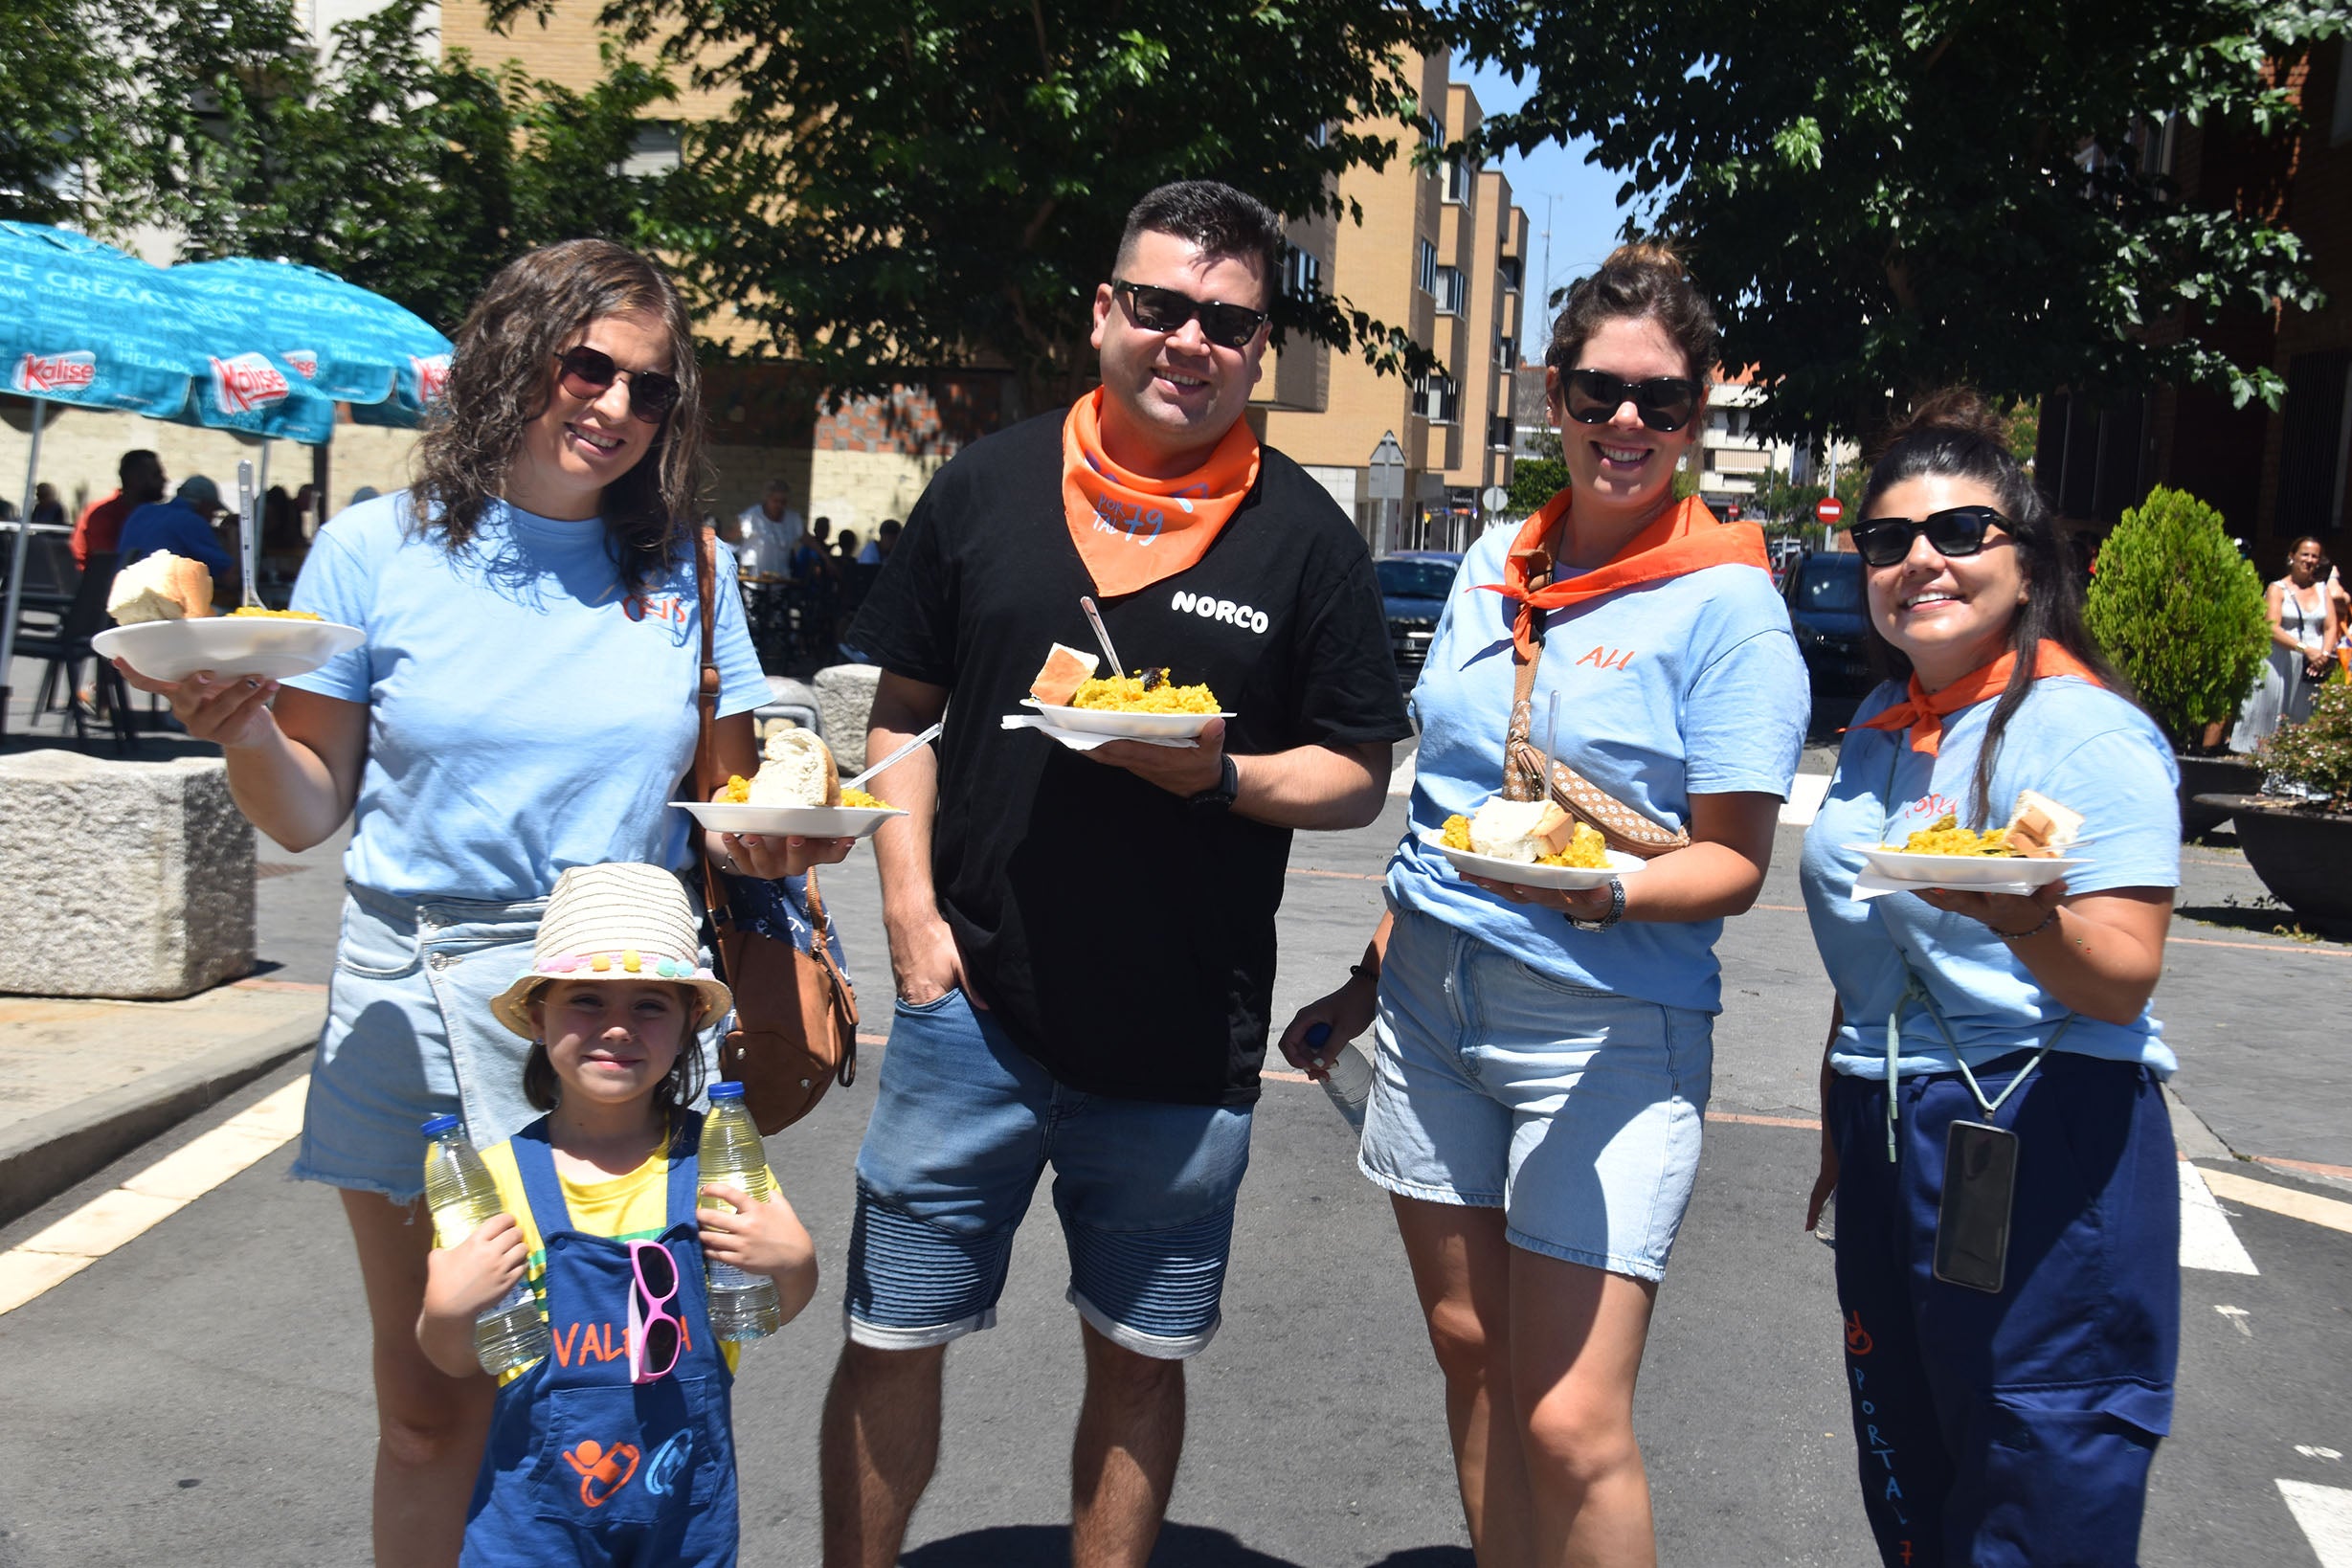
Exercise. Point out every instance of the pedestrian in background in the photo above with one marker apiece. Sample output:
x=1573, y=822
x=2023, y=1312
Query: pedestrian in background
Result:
x=524, y=701
x=1084, y=943
x=46, y=506
x=100, y=530
x=767, y=532
x=878, y=548
x=184, y=526
x=2005, y=1408
x=1544, y=1056
x=2304, y=631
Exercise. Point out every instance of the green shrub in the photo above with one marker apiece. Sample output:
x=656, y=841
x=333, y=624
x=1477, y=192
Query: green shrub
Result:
x=2180, y=610
x=2318, y=752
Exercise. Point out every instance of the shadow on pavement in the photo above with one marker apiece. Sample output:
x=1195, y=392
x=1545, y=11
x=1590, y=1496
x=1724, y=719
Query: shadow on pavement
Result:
x=1181, y=1546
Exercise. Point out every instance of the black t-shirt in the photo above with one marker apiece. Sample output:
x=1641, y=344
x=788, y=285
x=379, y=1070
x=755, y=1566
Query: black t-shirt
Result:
x=1123, y=936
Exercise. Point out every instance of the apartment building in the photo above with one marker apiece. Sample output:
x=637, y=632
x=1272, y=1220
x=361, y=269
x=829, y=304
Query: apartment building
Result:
x=1441, y=253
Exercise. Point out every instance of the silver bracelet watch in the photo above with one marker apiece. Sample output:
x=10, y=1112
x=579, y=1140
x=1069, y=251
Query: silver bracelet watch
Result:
x=1617, y=909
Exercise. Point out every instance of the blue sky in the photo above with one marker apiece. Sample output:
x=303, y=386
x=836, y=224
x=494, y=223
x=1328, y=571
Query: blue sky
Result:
x=1585, y=215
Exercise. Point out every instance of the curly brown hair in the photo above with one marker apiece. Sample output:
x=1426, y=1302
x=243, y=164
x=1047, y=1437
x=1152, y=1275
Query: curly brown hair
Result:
x=503, y=374
x=1642, y=281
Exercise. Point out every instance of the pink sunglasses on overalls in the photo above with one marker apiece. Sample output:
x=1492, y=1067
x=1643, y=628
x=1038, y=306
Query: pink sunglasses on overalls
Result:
x=656, y=1336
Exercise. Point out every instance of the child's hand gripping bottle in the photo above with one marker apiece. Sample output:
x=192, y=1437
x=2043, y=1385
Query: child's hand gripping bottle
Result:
x=510, y=1333
x=742, y=1305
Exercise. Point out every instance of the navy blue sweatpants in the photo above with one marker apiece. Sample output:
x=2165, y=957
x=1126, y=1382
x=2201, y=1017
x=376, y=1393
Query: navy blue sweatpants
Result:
x=2003, y=1430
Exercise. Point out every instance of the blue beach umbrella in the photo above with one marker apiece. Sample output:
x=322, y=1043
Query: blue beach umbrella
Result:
x=353, y=346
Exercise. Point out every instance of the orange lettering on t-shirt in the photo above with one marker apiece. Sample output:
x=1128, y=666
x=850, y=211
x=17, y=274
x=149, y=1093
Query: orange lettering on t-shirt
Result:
x=1607, y=659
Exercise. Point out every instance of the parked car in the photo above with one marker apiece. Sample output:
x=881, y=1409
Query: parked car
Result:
x=1825, y=610
x=1412, y=586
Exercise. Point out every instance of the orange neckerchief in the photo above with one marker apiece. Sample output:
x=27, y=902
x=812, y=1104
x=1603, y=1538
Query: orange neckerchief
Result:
x=1130, y=530
x=1685, y=540
x=1924, y=710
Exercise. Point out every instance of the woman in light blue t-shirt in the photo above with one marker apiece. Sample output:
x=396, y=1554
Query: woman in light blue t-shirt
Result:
x=525, y=702
x=1544, y=1056
x=1993, y=1121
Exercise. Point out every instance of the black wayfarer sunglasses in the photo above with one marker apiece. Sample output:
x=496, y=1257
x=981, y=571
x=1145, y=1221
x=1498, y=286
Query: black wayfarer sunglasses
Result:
x=1159, y=309
x=1664, y=403
x=588, y=372
x=1956, y=531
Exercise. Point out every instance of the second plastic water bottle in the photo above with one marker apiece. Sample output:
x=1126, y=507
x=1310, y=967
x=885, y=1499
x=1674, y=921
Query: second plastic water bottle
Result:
x=1350, y=1084
x=742, y=1305
x=510, y=1333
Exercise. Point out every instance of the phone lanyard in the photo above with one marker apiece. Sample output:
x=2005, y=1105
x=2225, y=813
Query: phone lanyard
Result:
x=1914, y=987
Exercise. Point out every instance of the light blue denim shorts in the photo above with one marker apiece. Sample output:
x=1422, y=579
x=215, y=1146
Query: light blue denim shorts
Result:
x=1577, y=1112
x=964, y=1125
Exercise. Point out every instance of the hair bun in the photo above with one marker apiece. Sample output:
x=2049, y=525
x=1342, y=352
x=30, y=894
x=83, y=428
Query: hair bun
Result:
x=1646, y=255
x=1958, y=411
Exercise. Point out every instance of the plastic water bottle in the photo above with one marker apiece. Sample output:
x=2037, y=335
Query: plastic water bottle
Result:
x=1350, y=1084
x=742, y=1305
x=510, y=1335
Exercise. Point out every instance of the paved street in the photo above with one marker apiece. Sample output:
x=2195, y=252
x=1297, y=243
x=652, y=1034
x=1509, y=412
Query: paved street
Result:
x=199, y=1394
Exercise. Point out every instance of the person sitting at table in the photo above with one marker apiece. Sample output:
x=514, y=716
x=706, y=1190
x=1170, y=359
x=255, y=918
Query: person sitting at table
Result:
x=46, y=506
x=100, y=532
x=184, y=526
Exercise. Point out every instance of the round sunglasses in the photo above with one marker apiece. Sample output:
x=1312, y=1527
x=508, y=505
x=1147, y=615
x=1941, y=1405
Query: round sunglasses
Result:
x=1956, y=531
x=1157, y=309
x=587, y=373
x=1665, y=403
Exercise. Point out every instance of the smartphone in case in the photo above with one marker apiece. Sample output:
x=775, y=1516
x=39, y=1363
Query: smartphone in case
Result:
x=1972, y=1221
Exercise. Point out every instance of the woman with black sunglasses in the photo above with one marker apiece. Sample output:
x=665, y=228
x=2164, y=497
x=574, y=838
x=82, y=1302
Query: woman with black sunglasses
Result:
x=524, y=701
x=1544, y=1054
x=1993, y=1124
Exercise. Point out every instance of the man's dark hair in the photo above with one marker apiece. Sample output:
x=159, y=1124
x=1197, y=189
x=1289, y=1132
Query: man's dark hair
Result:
x=1214, y=217
x=136, y=459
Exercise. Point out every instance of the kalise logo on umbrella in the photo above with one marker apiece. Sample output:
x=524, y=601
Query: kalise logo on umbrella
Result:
x=432, y=376
x=45, y=374
x=247, y=383
x=304, y=361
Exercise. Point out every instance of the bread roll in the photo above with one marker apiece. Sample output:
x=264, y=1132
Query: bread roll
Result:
x=160, y=586
x=2040, y=828
x=799, y=771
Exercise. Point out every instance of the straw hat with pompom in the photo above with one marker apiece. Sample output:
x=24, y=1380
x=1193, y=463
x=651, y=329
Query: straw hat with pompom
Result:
x=615, y=922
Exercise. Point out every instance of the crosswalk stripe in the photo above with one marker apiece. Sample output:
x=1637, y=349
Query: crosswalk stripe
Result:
x=2291, y=1201
x=2325, y=1513
x=2206, y=1240
x=47, y=1259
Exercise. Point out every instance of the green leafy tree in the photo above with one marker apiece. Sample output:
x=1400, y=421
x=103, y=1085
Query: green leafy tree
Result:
x=1536, y=479
x=405, y=172
x=945, y=181
x=1886, y=196
x=54, y=79
x=2180, y=610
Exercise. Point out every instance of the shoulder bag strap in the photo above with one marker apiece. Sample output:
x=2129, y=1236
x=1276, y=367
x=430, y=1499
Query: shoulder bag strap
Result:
x=706, y=706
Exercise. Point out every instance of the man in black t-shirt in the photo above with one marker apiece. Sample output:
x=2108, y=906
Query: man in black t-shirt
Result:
x=1084, y=941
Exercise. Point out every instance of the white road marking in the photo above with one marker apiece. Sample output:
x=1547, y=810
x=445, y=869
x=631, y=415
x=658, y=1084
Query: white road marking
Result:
x=1805, y=793
x=2206, y=1240
x=2325, y=1513
x=2236, y=1317
x=1400, y=781
x=42, y=1262
x=2310, y=1452
x=2291, y=1201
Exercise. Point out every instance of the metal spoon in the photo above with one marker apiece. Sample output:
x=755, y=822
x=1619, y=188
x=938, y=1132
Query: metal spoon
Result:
x=1102, y=634
x=892, y=760
x=248, y=528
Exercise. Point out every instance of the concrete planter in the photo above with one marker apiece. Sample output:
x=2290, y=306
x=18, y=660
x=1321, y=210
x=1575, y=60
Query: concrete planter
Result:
x=2229, y=775
x=2302, y=855
x=845, y=696
x=132, y=880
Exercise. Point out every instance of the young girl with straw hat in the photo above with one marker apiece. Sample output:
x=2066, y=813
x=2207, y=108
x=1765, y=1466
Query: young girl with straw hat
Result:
x=618, y=1444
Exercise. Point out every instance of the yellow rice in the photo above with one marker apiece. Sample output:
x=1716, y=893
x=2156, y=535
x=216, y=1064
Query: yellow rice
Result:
x=1125, y=694
x=1944, y=836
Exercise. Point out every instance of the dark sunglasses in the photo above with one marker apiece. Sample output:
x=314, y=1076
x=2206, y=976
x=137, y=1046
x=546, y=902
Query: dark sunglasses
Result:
x=1164, y=310
x=587, y=372
x=1956, y=531
x=1665, y=403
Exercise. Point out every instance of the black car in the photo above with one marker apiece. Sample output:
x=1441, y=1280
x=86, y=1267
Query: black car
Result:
x=1825, y=610
x=1412, y=586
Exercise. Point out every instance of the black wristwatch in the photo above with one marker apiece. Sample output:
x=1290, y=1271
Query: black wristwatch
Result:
x=1617, y=911
x=1220, y=796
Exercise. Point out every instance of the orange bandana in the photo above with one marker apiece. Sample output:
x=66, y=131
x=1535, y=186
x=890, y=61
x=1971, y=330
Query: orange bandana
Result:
x=1686, y=539
x=1924, y=710
x=1131, y=531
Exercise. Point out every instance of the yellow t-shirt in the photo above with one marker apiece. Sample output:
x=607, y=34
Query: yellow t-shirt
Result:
x=625, y=1208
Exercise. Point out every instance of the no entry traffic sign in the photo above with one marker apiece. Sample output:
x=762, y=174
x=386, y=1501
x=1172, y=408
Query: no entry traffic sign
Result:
x=1830, y=509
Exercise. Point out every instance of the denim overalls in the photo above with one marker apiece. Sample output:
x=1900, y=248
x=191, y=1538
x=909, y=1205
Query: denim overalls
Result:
x=583, y=1466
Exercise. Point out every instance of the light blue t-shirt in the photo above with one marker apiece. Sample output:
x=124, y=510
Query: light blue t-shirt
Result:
x=524, y=715
x=2080, y=744
x=1686, y=686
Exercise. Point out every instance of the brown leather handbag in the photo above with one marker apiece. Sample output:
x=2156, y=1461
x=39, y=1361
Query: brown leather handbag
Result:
x=796, y=1031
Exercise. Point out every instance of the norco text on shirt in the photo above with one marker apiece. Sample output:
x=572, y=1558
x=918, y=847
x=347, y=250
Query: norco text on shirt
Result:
x=1224, y=610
